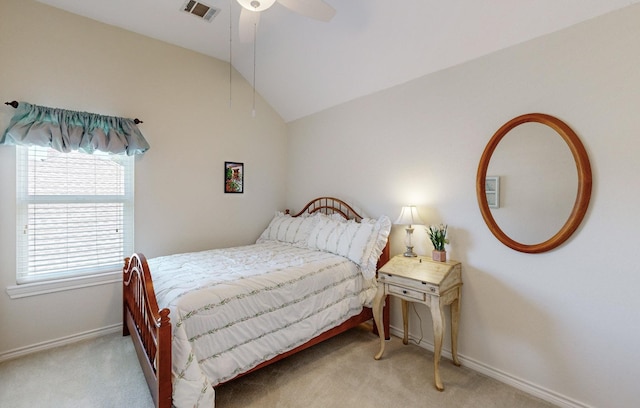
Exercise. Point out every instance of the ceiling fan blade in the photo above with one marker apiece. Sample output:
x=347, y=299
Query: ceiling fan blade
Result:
x=248, y=24
x=316, y=9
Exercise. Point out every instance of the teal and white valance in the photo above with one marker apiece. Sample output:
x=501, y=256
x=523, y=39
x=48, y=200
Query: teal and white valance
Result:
x=66, y=131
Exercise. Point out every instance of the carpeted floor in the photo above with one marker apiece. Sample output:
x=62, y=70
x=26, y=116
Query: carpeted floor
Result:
x=339, y=373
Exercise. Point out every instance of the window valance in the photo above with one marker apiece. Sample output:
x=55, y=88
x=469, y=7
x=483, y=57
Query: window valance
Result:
x=66, y=131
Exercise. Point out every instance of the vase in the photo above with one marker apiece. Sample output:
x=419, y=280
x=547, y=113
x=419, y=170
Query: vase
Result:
x=440, y=256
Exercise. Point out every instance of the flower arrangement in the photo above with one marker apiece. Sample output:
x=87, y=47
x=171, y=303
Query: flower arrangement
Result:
x=438, y=236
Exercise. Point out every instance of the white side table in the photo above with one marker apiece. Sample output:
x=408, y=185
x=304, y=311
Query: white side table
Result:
x=435, y=284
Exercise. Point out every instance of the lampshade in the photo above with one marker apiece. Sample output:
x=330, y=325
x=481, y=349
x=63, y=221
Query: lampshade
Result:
x=409, y=216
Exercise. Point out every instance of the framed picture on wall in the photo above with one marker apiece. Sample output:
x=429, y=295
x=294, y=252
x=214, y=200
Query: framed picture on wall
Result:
x=233, y=177
x=492, y=190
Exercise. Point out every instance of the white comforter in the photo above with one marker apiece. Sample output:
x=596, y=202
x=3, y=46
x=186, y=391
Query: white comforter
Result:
x=232, y=309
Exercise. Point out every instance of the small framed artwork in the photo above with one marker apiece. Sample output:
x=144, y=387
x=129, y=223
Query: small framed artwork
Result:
x=492, y=190
x=233, y=177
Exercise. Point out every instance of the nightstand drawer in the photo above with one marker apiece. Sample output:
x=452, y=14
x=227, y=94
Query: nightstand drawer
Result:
x=410, y=283
x=407, y=293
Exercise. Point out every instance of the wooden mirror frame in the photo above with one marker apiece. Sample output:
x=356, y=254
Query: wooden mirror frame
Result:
x=584, y=183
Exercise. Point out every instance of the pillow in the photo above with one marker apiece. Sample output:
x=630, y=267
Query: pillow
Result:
x=361, y=242
x=285, y=228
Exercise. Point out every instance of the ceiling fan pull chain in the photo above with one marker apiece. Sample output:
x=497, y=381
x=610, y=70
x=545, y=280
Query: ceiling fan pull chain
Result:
x=230, y=51
x=255, y=37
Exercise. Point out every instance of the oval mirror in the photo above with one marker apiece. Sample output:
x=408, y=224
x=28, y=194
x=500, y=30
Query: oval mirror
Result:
x=538, y=183
x=522, y=217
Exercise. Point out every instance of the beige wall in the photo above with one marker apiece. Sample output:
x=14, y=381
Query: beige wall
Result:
x=53, y=58
x=563, y=324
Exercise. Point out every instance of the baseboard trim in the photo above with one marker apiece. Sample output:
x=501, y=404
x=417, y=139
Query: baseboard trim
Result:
x=63, y=341
x=506, y=378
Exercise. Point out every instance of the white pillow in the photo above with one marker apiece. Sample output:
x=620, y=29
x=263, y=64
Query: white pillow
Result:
x=285, y=228
x=361, y=242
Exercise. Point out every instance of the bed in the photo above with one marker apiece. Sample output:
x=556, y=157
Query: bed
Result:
x=262, y=304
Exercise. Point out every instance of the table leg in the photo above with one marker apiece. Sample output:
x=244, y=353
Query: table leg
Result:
x=378, y=302
x=455, y=319
x=438, y=335
x=405, y=321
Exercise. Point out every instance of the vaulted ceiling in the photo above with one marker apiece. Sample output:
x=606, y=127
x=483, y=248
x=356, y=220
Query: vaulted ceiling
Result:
x=304, y=66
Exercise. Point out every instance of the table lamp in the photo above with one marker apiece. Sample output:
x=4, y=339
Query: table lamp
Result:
x=409, y=216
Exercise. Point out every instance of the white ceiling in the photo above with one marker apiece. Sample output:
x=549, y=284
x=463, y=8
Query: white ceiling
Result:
x=305, y=66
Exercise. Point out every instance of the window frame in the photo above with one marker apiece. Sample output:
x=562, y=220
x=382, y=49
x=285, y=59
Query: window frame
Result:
x=26, y=283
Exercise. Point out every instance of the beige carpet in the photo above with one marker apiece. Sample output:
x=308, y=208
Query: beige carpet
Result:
x=338, y=373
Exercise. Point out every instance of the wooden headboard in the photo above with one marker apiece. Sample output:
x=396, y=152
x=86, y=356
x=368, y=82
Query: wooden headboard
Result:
x=332, y=205
x=329, y=205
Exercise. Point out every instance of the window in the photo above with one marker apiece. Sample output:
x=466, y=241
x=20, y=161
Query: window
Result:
x=75, y=213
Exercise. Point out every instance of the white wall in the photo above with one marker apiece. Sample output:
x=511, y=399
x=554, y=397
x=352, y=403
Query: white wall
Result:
x=53, y=58
x=563, y=324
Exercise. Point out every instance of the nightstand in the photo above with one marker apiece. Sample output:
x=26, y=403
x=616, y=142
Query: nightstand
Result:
x=435, y=284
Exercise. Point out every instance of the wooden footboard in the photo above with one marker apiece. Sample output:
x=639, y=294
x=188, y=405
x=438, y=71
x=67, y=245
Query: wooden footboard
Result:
x=149, y=328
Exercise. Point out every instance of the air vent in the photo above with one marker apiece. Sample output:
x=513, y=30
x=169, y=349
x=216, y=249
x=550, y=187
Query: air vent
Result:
x=200, y=10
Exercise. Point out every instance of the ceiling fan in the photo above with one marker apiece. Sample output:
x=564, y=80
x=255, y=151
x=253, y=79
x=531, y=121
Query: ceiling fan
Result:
x=251, y=9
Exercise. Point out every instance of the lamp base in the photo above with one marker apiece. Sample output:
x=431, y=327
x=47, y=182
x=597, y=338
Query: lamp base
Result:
x=409, y=252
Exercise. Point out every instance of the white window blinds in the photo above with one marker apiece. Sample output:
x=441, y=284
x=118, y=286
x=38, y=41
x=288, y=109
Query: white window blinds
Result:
x=75, y=213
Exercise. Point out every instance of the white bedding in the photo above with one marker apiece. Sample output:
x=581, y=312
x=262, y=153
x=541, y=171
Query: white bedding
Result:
x=233, y=308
